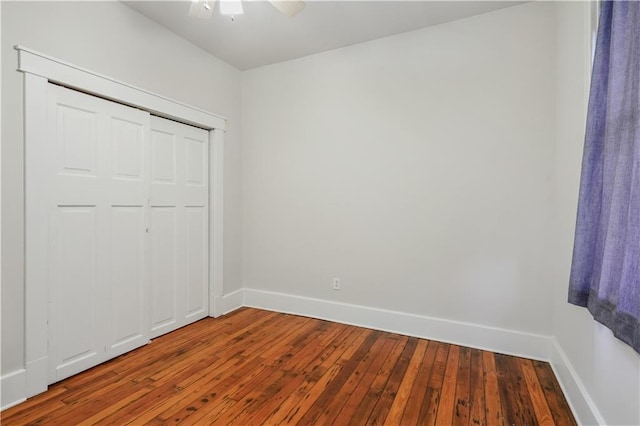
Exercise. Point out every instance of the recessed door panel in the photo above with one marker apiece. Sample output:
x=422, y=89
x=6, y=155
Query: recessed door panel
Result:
x=77, y=139
x=127, y=142
x=73, y=296
x=164, y=269
x=163, y=148
x=127, y=283
x=196, y=162
x=196, y=260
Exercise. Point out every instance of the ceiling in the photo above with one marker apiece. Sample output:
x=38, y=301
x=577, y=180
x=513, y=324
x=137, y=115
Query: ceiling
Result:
x=263, y=36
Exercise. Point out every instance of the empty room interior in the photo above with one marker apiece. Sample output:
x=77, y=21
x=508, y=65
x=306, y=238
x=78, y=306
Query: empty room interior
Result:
x=319, y=212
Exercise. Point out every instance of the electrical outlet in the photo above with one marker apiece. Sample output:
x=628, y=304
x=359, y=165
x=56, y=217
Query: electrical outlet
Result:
x=336, y=283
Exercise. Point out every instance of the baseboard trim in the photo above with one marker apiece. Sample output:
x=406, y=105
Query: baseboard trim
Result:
x=13, y=388
x=229, y=302
x=494, y=339
x=582, y=406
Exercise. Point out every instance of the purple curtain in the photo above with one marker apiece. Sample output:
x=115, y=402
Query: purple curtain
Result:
x=605, y=271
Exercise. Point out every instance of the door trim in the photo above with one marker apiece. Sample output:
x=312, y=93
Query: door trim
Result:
x=39, y=70
x=75, y=77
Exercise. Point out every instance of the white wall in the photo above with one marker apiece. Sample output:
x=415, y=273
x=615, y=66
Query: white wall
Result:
x=608, y=370
x=113, y=40
x=417, y=168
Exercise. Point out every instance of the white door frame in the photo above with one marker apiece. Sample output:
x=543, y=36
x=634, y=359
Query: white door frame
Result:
x=39, y=70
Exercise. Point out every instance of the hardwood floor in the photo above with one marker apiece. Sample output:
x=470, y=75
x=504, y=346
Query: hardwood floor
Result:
x=254, y=367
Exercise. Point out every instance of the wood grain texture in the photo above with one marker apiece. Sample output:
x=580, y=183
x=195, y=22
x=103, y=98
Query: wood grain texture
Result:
x=254, y=367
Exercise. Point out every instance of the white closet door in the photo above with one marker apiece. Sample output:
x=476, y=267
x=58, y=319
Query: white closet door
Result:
x=179, y=225
x=97, y=190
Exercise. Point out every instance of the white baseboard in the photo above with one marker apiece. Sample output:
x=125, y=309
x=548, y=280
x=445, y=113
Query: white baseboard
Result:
x=14, y=386
x=227, y=303
x=499, y=340
x=581, y=404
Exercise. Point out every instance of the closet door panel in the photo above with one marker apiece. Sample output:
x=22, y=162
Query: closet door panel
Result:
x=196, y=162
x=73, y=297
x=179, y=187
x=127, y=142
x=164, y=314
x=127, y=187
x=164, y=158
x=97, y=189
x=77, y=140
x=197, y=266
x=127, y=282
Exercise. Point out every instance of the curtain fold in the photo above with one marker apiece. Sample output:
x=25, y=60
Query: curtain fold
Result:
x=605, y=270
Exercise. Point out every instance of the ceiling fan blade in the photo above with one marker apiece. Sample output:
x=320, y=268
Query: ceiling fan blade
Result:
x=289, y=8
x=201, y=8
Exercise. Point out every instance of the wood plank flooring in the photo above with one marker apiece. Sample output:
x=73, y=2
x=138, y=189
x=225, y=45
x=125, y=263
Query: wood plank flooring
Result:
x=255, y=367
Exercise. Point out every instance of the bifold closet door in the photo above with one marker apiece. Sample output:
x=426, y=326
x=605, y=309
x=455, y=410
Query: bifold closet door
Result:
x=97, y=188
x=179, y=225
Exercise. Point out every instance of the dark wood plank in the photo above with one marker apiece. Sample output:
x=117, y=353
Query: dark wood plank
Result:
x=391, y=347
x=476, y=390
x=431, y=398
x=494, y=412
x=374, y=392
x=254, y=367
x=354, y=372
x=411, y=413
x=463, y=388
x=332, y=389
x=446, y=406
x=514, y=397
x=540, y=406
x=556, y=401
x=381, y=409
x=297, y=414
x=403, y=395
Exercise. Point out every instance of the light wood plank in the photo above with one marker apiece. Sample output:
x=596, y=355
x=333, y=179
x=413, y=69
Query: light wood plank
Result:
x=493, y=407
x=412, y=409
x=396, y=412
x=448, y=394
x=476, y=390
x=463, y=385
x=431, y=398
x=553, y=394
x=540, y=406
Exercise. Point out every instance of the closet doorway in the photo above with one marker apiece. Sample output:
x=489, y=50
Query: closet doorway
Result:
x=123, y=217
x=127, y=222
